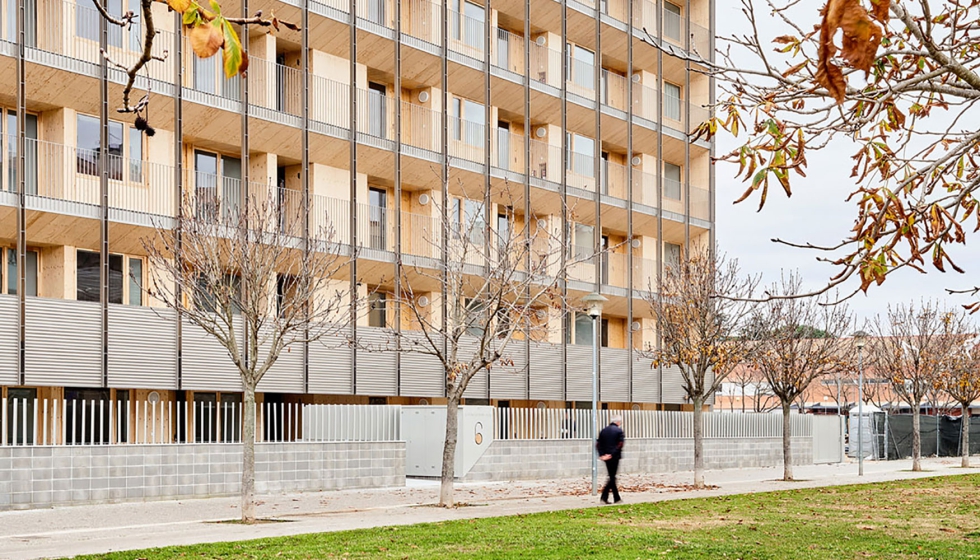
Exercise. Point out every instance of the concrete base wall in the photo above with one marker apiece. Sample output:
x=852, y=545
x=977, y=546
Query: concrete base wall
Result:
x=32, y=477
x=543, y=459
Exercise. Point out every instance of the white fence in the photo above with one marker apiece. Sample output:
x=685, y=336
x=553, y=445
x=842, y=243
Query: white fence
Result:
x=548, y=423
x=27, y=422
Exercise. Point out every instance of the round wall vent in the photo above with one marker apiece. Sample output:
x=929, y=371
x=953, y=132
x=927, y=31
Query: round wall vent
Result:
x=636, y=78
x=423, y=301
x=541, y=132
x=423, y=97
x=635, y=326
x=541, y=41
x=424, y=199
x=423, y=402
x=636, y=160
x=153, y=397
x=635, y=243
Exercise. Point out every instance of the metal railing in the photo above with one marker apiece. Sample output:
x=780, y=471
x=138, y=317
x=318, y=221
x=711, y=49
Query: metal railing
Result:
x=107, y=421
x=466, y=34
x=550, y=423
x=275, y=86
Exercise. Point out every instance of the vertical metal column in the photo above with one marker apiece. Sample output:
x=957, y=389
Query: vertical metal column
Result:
x=488, y=44
x=104, y=193
x=687, y=130
x=629, y=195
x=353, y=190
x=398, y=197
x=444, y=116
x=527, y=183
x=598, y=176
x=21, y=191
x=243, y=156
x=179, y=195
x=305, y=173
x=711, y=102
x=658, y=6
x=567, y=324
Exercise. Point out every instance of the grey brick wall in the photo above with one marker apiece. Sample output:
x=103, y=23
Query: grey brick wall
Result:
x=33, y=477
x=542, y=459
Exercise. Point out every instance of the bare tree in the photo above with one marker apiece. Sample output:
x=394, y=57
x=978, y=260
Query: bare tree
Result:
x=249, y=277
x=910, y=348
x=961, y=381
x=700, y=307
x=499, y=284
x=790, y=357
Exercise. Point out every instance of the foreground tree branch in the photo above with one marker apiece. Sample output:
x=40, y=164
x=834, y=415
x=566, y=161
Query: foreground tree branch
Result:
x=895, y=79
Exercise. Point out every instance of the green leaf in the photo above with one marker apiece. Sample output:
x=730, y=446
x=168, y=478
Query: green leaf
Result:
x=234, y=56
x=191, y=15
x=216, y=7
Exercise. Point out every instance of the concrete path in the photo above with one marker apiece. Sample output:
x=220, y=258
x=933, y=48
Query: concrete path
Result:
x=69, y=531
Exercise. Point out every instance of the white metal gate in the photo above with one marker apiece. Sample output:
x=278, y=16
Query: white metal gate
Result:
x=828, y=444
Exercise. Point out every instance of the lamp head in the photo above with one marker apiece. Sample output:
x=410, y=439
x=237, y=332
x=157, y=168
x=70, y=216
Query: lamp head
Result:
x=860, y=339
x=593, y=304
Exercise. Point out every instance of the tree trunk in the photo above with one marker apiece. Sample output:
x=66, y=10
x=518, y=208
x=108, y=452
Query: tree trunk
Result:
x=449, y=453
x=916, y=440
x=248, y=457
x=965, y=435
x=698, y=444
x=787, y=442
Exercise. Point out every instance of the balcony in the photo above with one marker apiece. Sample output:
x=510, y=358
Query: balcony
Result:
x=58, y=174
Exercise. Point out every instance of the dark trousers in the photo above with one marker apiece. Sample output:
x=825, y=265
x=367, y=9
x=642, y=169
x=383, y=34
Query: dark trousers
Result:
x=612, y=465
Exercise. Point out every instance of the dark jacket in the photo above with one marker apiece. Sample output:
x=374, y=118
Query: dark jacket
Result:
x=610, y=441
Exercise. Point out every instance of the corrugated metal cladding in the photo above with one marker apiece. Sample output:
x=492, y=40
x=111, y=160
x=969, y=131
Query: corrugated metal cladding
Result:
x=579, y=372
x=673, y=386
x=63, y=343
x=422, y=374
x=376, y=371
x=8, y=340
x=286, y=375
x=468, y=348
x=142, y=348
x=330, y=366
x=646, y=380
x=546, y=372
x=614, y=375
x=207, y=365
x=510, y=381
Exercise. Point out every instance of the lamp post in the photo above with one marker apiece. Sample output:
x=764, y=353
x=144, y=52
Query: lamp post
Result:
x=593, y=306
x=859, y=342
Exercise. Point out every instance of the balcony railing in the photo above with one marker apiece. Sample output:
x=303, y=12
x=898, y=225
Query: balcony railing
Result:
x=466, y=35
x=275, y=86
x=60, y=172
x=507, y=52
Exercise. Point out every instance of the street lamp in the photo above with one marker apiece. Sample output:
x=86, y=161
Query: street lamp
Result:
x=859, y=343
x=593, y=306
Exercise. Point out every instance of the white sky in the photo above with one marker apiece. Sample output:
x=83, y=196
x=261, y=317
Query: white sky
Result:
x=816, y=213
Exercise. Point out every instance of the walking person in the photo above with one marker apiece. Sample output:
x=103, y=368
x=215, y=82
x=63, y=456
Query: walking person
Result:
x=609, y=445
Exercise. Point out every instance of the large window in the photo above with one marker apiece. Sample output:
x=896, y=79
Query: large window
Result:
x=377, y=123
x=466, y=21
x=31, y=272
x=87, y=20
x=672, y=21
x=672, y=254
x=504, y=227
x=581, y=67
x=672, y=101
x=581, y=154
x=378, y=218
x=87, y=147
x=30, y=22
x=468, y=214
x=8, y=155
x=672, y=181
x=468, y=119
x=582, y=241
x=218, y=184
x=87, y=416
x=87, y=277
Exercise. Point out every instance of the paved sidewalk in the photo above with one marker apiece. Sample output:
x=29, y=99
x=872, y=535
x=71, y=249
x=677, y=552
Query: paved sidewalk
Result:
x=69, y=531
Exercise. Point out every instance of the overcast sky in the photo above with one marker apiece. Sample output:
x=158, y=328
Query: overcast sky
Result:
x=817, y=213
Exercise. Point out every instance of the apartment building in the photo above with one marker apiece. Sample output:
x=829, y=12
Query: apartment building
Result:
x=572, y=104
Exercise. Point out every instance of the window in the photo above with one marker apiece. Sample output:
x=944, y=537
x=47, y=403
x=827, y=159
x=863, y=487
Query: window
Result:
x=135, y=155
x=672, y=254
x=377, y=310
x=31, y=272
x=581, y=154
x=217, y=191
x=503, y=145
x=672, y=101
x=582, y=241
x=467, y=216
x=135, y=281
x=207, y=300
x=466, y=21
x=672, y=21
x=378, y=219
x=87, y=278
x=376, y=110
x=87, y=147
x=473, y=317
x=604, y=333
x=503, y=230
x=20, y=405
x=205, y=417
x=581, y=67
x=672, y=181
x=285, y=288
x=87, y=20
x=8, y=138
x=87, y=416
x=30, y=22
x=468, y=120
x=231, y=417
x=583, y=329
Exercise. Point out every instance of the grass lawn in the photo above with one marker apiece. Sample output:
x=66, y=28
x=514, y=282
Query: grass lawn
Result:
x=926, y=518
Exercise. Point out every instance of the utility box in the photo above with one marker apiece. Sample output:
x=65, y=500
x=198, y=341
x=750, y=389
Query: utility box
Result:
x=424, y=430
